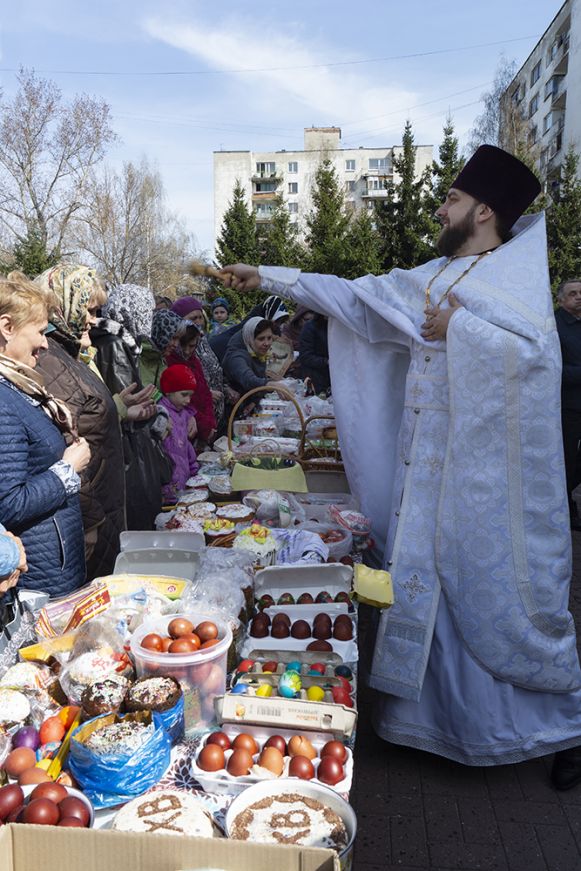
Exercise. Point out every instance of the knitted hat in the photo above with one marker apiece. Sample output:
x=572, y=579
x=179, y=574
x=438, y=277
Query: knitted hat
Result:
x=221, y=302
x=177, y=377
x=185, y=305
x=500, y=180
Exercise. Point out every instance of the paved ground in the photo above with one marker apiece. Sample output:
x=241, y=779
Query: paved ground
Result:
x=418, y=812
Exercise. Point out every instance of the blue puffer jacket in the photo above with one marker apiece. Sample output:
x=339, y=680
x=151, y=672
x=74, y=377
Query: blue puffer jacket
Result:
x=33, y=501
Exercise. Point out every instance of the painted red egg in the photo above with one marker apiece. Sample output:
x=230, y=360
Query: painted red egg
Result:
x=71, y=806
x=278, y=742
x=219, y=738
x=301, y=767
x=180, y=626
x=11, y=798
x=41, y=812
x=330, y=771
x=152, y=641
x=337, y=750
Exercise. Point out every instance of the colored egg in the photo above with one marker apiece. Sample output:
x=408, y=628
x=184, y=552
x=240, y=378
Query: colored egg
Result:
x=289, y=685
x=344, y=671
x=239, y=689
x=246, y=665
x=269, y=667
x=272, y=759
x=294, y=666
x=315, y=694
x=265, y=691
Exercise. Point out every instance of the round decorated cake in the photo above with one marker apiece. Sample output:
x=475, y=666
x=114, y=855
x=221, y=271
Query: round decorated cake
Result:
x=259, y=541
x=104, y=696
x=167, y=812
x=153, y=694
x=200, y=494
x=123, y=737
x=198, y=481
x=237, y=512
x=291, y=818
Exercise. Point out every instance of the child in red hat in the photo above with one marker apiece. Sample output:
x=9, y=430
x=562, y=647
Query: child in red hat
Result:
x=177, y=384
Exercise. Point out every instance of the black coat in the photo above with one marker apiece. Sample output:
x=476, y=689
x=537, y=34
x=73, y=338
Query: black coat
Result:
x=569, y=329
x=116, y=359
x=314, y=354
x=243, y=372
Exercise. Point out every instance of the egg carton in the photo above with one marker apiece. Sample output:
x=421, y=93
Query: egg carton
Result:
x=252, y=683
x=223, y=783
x=282, y=665
x=327, y=677
x=276, y=580
x=347, y=650
x=333, y=720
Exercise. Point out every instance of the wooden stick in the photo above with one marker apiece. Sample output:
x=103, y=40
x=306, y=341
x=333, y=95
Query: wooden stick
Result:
x=195, y=267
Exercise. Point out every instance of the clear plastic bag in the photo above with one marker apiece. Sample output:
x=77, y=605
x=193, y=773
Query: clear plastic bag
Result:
x=108, y=779
x=97, y=652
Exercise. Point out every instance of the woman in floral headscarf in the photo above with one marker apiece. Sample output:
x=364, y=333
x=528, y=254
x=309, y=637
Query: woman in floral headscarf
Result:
x=78, y=292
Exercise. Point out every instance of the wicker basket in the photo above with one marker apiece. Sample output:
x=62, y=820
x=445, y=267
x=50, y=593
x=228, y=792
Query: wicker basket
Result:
x=318, y=458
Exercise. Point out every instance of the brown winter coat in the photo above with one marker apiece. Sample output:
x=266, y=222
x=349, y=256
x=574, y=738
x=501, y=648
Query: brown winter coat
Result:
x=103, y=481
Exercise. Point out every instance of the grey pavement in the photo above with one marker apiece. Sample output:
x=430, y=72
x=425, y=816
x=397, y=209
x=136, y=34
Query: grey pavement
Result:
x=419, y=812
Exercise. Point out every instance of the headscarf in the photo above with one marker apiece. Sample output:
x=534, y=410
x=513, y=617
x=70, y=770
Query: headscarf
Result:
x=72, y=285
x=131, y=306
x=221, y=301
x=274, y=308
x=30, y=382
x=185, y=305
x=248, y=336
x=166, y=324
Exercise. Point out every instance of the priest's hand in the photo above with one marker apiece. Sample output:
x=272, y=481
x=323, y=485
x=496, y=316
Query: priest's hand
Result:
x=435, y=326
x=240, y=277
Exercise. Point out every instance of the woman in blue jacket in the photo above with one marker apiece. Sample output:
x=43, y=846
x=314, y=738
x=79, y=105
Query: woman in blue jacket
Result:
x=40, y=482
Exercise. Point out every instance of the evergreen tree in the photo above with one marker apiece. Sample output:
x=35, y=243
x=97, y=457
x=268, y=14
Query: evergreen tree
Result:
x=444, y=171
x=237, y=240
x=279, y=244
x=564, y=223
x=237, y=243
x=30, y=254
x=363, y=247
x=327, y=224
x=403, y=224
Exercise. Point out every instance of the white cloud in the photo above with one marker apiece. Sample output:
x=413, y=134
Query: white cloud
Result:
x=331, y=94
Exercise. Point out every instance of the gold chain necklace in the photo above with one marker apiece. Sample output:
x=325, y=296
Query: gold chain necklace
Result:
x=454, y=283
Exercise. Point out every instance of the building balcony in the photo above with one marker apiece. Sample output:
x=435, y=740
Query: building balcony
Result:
x=374, y=194
x=262, y=196
x=562, y=60
x=559, y=100
x=375, y=173
x=267, y=176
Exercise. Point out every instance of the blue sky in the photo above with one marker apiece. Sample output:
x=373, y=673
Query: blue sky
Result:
x=316, y=63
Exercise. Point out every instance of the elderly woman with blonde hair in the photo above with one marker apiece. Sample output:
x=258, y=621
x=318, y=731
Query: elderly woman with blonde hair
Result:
x=39, y=485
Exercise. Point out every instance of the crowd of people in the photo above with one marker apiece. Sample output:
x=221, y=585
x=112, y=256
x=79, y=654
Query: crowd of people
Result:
x=106, y=395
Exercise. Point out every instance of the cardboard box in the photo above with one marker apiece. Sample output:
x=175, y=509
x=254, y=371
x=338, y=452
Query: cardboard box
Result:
x=48, y=848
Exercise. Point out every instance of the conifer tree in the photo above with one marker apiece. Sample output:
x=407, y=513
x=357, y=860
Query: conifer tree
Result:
x=402, y=222
x=279, y=244
x=237, y=240
x=564, y=223
x=363, y=247
x=30, y=254
x=443, y=173
x=327, y=223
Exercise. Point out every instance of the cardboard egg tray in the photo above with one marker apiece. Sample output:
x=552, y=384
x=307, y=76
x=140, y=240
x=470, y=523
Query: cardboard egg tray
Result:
x=222, y=783
x=328, y=677
x=254, y=681
x=276, y=580
x=347, y=650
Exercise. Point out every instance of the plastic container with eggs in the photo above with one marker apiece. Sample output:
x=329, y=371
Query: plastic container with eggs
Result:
x=339, y=635
x=225, y=780
x=269, y=672
x=332, y=578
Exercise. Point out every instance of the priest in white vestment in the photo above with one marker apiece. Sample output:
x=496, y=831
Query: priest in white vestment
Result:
x=446, y=382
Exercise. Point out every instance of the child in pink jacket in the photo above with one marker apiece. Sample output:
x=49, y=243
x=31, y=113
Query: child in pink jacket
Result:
x=177, y=384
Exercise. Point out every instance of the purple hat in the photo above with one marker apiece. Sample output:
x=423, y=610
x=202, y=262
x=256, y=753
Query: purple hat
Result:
x=185, y=305
x=500, y=180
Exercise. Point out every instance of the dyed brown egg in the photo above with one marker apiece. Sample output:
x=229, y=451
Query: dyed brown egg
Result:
x=330, y=771
x=244, y=741
x=335, y=749
x=206, y=631
x=19, y=760
x=41, y=812
x=322, y=631
x=53, y=791
x=33, y=775
x=211, y=758
x=180, y=626
x=281, y=618
x=278, y=742
x=70, y=823
x=71, y=806
x=165, y=644
x=320, y=645
x=239, y=763
x=258, y=628
x=322, y=617
x=11, y=798
x=301, y=629
x=219, y=738
x=271, y=758
x=182, y=645
x=280, y=630
x=301, y=746
x=344, y=619
x=301, y=767
x=153, y=641
x=305, y=599
x=342, y=632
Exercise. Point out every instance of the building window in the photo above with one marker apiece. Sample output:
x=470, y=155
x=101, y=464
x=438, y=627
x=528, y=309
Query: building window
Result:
x=533, y=134
x=293, y=187
x=264, y=187
x=533, y=105
x=293, y=166
x=263, y=210
x=547, y=122
x=535, y=73
x=518, y=93
x=349, y=166
x=544, y=157
x=378, y=163
x=349, y=186
x=293, y=208
x=266, y=169
x=552, y=52
x=375, y=184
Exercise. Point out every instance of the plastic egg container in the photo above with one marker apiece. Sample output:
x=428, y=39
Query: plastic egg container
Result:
x=222, y=782
x=252, y=678
x=346, y=649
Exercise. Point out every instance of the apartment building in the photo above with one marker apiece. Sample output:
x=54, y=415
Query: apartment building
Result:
x=267, y=174
x=546, y=91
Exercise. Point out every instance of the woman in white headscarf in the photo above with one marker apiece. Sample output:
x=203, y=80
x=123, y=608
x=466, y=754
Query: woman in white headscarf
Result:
x=246, y=357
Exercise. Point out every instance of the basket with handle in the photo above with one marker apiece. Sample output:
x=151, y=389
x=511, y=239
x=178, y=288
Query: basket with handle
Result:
x=251, y=470
x=321, y=457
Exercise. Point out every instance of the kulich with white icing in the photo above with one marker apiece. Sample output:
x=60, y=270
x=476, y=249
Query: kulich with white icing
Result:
x=291, y=818
x=167, y=812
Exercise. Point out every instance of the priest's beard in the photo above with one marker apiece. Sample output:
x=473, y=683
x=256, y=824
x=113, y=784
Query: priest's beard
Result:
x=451, y=239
